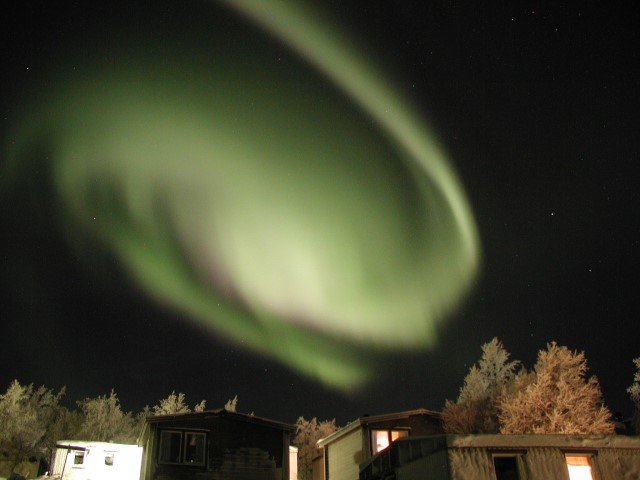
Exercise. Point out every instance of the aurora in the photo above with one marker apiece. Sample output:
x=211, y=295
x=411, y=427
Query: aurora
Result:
x=306, y=213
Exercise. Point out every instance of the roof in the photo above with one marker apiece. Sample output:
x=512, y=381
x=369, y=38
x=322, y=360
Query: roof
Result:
x=542, y=440
x=87, y=444
x=220, y=412
x=374, y=419
x=409, y=449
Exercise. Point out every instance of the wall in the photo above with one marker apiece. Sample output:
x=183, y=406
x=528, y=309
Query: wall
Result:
x=235, y=450
x=345, y=456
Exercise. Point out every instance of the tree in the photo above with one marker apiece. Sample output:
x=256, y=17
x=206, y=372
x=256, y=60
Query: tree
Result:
x=174, y=403
x=308, y=432
x=634, y=393
x=200, y=407
x=475, y=411
x=231, y=404
x=555, y=398
x=27, y=417
x=104, y=420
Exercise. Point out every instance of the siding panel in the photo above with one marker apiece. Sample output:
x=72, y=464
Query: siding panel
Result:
x=345, y=456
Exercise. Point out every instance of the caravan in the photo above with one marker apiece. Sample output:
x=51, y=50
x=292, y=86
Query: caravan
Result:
x=78, y=460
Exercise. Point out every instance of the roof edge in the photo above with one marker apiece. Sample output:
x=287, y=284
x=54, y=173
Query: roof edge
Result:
x=374, y=418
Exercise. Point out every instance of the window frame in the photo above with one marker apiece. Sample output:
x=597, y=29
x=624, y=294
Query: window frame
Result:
x=76, y=455
x=183, y=447
x=516, y=455
x=204, y=448
x=589, y=455
x=372, y=437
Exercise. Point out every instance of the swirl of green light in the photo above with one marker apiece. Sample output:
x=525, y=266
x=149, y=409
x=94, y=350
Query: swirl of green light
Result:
x=311, y=223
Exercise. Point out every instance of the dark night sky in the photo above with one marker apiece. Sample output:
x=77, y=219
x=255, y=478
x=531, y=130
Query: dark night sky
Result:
x=537, y=106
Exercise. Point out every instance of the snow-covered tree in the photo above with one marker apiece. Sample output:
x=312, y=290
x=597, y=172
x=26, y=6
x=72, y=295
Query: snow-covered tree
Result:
x=555, y=397
x=634, y=392
x=174, y=403
x=200, y=407
x=103, y=420
x=475, y=411
x=231, y=404
x=308, y=432
x=27, y=418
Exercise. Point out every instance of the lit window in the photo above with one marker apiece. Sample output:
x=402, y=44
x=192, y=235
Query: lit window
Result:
x=506, y=467
x=579, y=467
x=177, y=447
x=380, y=439
x=78, y=458
x=108, y=459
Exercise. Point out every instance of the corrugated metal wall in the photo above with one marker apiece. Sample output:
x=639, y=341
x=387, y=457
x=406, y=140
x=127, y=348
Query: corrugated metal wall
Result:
x=618, y=464
x=545, y=463
x=471, y=464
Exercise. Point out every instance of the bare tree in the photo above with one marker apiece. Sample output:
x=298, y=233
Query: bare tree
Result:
x=555, y=398
x=308, y=432
x=104, y=420
x=27, y=418
x=475, y=411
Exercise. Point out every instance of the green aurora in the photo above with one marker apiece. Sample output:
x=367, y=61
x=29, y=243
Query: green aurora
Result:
x=303, y=212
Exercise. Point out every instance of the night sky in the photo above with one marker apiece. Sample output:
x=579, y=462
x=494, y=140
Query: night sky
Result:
x=537, y=107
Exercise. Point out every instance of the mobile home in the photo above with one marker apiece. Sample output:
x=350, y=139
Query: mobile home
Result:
x=81, y=460
x=507, y=457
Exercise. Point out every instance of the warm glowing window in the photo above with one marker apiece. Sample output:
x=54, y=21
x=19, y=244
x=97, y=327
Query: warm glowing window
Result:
x=179, y=447
x=579, y=467
x=380, y=439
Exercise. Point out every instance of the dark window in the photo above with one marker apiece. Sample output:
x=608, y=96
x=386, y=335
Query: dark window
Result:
x=178, y=447
x=170, y=446
x=108, y=459
x=78, y=458
x=194, y=448
x=506, y=468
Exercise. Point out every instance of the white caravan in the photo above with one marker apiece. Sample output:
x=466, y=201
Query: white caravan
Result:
x=79, y=460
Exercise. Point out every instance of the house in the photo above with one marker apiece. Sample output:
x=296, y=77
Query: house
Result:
x=215, y=445
x=344, y=450
x=507, y=457
x=79, y=460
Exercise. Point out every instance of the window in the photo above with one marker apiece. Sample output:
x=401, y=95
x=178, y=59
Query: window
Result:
x=579, y=467
x=506, y=467
x=108, y=459
x=78, y=458
x=381, y=439
x=177, y=447
x=194, y=448
x=170, y=446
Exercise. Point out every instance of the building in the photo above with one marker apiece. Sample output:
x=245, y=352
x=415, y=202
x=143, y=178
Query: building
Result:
x=215, y=445
x=507, y=457
x=80, y=460
x=344, y=450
